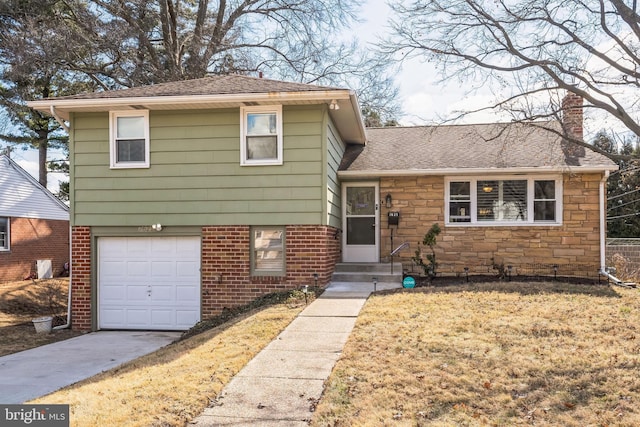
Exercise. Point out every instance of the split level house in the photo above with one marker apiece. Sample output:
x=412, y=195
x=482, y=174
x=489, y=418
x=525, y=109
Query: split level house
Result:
x=34, y=226
x=192, y=196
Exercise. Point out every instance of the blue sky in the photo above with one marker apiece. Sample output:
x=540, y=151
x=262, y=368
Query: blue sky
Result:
x=424, y=99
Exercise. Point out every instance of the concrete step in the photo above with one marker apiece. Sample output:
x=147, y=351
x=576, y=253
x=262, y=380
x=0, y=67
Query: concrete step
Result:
x=365, y=273
x=358, y=289
x=376, y=267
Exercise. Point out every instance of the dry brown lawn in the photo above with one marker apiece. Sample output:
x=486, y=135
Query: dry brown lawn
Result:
x=25, y=300
x=175, y=384
x=504, y=354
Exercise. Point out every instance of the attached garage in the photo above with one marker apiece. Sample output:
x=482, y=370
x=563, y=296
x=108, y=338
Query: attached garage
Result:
x=150, y=283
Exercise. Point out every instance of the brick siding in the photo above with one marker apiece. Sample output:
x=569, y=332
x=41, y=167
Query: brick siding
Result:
x=532, y=250
x=32, y=240
x=225, y=267
x=81, y=278
x=226, y=278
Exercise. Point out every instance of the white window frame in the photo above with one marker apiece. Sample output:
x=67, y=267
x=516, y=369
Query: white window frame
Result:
x=255, y=271
x=113, y=123
x=7, y=246
x=244, y=113
x=530, y=200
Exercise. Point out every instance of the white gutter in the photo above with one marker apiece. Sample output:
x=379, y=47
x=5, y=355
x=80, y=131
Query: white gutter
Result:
x=472, y=171
x=66, y=325
x=105, y=103
x=61, y=107
x=58, y=118
x=356, y=109
x=603, y=221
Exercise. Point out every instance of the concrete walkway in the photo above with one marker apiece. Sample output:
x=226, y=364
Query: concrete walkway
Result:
x=283, y=383
x=42, y=370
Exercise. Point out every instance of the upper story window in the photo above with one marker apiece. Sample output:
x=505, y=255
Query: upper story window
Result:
x=495, y=201
x=4, y=233
x=129, y=139
x=261, y=135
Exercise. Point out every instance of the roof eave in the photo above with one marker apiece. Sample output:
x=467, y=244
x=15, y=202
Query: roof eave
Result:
x=345, y=121
x=73, y=104
x=346, y=114
x=474, y=171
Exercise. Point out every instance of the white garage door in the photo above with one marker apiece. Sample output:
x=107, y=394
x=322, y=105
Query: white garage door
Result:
x=148, y=282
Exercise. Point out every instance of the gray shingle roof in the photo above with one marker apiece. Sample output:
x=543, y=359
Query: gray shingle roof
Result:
x=213, y=85
x=477, y=146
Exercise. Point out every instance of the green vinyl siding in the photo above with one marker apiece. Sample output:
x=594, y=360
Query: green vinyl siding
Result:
x=335, y=151
x=195, y=177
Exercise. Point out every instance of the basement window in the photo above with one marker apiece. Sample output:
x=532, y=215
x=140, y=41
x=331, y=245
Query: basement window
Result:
x=267, y=251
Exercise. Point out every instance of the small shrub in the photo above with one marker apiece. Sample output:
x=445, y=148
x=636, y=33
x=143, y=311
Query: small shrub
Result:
x=429, y=267
x=624, y=268
x=51, y=297
x=501, y=271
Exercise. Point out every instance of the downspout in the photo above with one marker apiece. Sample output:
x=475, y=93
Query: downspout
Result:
x=52, y=109
x=604, y=270
x=603, y=222
x=55, y=115
x=68, y=324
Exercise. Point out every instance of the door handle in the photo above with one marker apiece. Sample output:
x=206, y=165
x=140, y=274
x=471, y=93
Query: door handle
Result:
x=373, y=225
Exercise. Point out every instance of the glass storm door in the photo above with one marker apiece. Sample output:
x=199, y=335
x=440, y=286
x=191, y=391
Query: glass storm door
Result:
x=360, y=222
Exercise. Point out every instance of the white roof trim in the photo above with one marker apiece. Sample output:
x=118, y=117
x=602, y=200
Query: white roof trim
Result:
x=474, y=171
x=106, y=102
x=63, y=107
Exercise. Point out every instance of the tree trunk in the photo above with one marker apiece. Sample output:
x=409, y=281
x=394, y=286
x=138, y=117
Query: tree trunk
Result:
x=43, y=145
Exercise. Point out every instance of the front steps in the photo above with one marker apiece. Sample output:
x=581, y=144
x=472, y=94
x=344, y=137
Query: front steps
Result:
x=364, y=273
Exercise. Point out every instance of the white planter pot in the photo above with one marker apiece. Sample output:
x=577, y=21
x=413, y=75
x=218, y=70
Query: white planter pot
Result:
x=43, y=324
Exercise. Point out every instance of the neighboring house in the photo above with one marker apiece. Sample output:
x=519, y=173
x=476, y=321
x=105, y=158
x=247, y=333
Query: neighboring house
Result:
x=189, y=197
x=34, y=225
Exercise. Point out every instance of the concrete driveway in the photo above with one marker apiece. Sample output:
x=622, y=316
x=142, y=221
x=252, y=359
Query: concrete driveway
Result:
x=42, y=370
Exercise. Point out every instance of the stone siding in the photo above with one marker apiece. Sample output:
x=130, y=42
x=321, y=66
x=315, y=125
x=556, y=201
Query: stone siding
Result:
x=573, y=246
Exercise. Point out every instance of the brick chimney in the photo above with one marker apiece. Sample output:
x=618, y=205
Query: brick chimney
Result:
x=572, y=115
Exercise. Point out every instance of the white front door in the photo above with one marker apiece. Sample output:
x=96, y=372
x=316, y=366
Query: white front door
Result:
x=148, y=282
x=360, y=222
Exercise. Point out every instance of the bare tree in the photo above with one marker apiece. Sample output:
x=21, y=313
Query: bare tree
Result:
x=139, y=42
x=529, y=49
x=58, y=47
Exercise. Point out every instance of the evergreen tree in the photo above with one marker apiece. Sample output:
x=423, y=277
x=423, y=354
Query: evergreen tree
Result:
x=623, y=187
